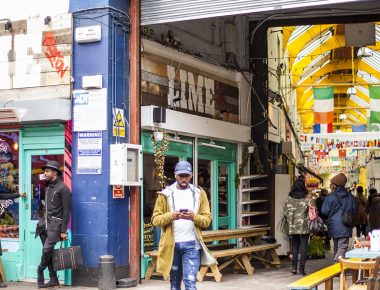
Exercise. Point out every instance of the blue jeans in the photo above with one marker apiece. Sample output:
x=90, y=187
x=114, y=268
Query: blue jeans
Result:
x=185, y=266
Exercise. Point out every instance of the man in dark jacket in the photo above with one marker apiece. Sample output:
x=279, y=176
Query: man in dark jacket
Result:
x=333, y=207
x=54, y=228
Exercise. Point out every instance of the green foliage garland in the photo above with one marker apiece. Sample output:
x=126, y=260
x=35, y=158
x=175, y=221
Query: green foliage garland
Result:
x=160, y=148
x=245, y=158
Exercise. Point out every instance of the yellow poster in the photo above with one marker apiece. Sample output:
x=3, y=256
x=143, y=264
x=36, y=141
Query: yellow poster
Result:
x=118, y=127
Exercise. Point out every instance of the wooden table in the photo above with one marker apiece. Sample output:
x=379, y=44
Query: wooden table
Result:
x=241, y=256
x=362, y=253
x=223, y=235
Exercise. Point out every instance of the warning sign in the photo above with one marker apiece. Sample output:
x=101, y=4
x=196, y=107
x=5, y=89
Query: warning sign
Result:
x=118, y=127
x=118, y=191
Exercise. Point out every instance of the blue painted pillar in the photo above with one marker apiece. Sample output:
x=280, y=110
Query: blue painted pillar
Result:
x=100, y=224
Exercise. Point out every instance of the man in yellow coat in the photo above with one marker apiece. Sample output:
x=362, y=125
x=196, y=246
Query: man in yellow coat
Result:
x=181, y=211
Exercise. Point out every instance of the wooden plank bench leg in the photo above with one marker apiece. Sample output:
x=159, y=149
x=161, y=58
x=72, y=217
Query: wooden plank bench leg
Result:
x=151, y=267
x=329, y=284
x=202, y=272
x=276, y=259
x=217, y=275
x=247, y=265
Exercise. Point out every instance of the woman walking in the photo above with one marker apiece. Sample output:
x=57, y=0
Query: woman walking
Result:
x=360, y=219
x=296, y=212
x=373, y=209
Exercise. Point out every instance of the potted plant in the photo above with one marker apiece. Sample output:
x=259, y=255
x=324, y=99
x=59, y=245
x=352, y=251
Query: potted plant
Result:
x=316, y=248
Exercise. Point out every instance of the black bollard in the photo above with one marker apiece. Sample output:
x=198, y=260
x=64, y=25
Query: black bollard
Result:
x=106, y=279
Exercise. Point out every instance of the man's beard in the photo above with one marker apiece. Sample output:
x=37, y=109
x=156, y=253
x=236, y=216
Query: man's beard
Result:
x=183, y=184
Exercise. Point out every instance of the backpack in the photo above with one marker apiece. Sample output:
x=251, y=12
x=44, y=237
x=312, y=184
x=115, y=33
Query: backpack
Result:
x=346, y=217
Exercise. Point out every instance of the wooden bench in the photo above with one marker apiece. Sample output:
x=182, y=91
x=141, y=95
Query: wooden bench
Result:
x=220, y=246
x=312, y=281
x=150, y=271
x=242, y=259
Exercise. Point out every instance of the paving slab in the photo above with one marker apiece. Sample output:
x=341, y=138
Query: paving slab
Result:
x=262, y=279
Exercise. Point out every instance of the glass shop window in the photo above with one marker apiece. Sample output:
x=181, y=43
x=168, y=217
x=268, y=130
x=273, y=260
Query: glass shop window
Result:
x=9, y=175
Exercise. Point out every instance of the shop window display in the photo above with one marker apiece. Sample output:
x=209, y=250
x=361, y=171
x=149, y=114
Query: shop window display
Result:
x=9, y=174
x=151, y=187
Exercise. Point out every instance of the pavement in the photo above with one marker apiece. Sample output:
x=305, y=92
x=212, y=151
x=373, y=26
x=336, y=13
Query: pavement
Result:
x=262, y=279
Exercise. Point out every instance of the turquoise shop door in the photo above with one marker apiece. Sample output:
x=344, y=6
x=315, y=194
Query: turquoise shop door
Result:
x=225, y=196
x=35, y=188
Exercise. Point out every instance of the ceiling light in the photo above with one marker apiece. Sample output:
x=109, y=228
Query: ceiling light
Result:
x=47, y=20
x=212, y=144
x=8, y=26
x=351, y=91
x=176, y=139
x=342, y=117
x=364, y=52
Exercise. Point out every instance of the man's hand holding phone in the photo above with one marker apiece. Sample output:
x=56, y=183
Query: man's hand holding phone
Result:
x=186, y=214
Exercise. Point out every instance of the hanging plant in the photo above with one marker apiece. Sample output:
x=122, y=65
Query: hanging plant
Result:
x=159, y=150
x=245, y=158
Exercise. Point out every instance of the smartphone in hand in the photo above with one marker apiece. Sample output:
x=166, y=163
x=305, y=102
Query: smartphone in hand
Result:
x=183, y=210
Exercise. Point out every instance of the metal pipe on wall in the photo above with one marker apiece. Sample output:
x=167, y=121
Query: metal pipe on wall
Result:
x=134, y=95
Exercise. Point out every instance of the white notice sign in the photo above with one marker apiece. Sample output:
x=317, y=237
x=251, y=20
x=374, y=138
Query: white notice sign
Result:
x=89, y=153
x=90, y=110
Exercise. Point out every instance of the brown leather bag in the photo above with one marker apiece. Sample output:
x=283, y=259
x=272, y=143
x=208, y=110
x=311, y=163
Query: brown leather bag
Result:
x=67, y=258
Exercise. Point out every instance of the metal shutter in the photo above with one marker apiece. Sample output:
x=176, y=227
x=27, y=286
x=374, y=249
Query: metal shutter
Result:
x=163, y=11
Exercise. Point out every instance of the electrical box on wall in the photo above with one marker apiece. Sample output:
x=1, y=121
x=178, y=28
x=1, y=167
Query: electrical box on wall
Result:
x=126, y=164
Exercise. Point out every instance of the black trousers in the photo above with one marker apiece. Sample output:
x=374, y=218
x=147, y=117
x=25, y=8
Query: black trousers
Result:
x=361, y=230
x=47, y=254
x=299, y=245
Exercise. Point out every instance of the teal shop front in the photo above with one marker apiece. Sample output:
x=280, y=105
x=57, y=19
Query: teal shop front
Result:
x=23, y=152
x=215, y=170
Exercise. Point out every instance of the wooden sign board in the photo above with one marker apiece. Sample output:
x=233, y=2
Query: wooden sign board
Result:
x=171, y=85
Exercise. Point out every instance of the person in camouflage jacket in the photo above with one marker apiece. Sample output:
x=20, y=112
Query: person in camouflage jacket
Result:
x=296, y=212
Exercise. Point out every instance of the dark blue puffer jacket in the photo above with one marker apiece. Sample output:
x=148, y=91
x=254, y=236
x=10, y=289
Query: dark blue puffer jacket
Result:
x=332, y=208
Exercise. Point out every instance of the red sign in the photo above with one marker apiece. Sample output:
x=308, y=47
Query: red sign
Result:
x=118, y=191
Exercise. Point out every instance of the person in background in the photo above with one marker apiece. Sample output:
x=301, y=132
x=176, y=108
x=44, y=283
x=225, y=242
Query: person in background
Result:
x=296, y=212
x=319, y=201
x=181, y=210
x=5, y=195
x=55, y=222
x=353, y=188
x=360, y=219
x=333, y=207
x=373, y=209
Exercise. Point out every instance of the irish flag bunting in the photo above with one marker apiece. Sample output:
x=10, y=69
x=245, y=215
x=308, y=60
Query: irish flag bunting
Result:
x=323, y=109
x=374, y=93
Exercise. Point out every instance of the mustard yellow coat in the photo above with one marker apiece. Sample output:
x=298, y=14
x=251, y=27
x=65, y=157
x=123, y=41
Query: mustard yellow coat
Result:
x=162, y=216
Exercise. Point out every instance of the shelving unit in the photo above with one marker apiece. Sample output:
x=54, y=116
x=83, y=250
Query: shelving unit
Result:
x=253, y=201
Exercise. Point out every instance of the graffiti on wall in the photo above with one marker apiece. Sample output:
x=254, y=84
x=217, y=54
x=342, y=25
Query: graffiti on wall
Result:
x=53, y=54
x=35, y=59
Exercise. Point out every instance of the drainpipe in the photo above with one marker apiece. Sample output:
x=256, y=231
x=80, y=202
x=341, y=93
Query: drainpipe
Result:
x=134, y=95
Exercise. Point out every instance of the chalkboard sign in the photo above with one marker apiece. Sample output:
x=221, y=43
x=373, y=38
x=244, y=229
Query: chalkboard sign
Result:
x=148, y=237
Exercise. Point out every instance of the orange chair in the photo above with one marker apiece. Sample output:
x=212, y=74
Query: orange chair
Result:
x=354, y=266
